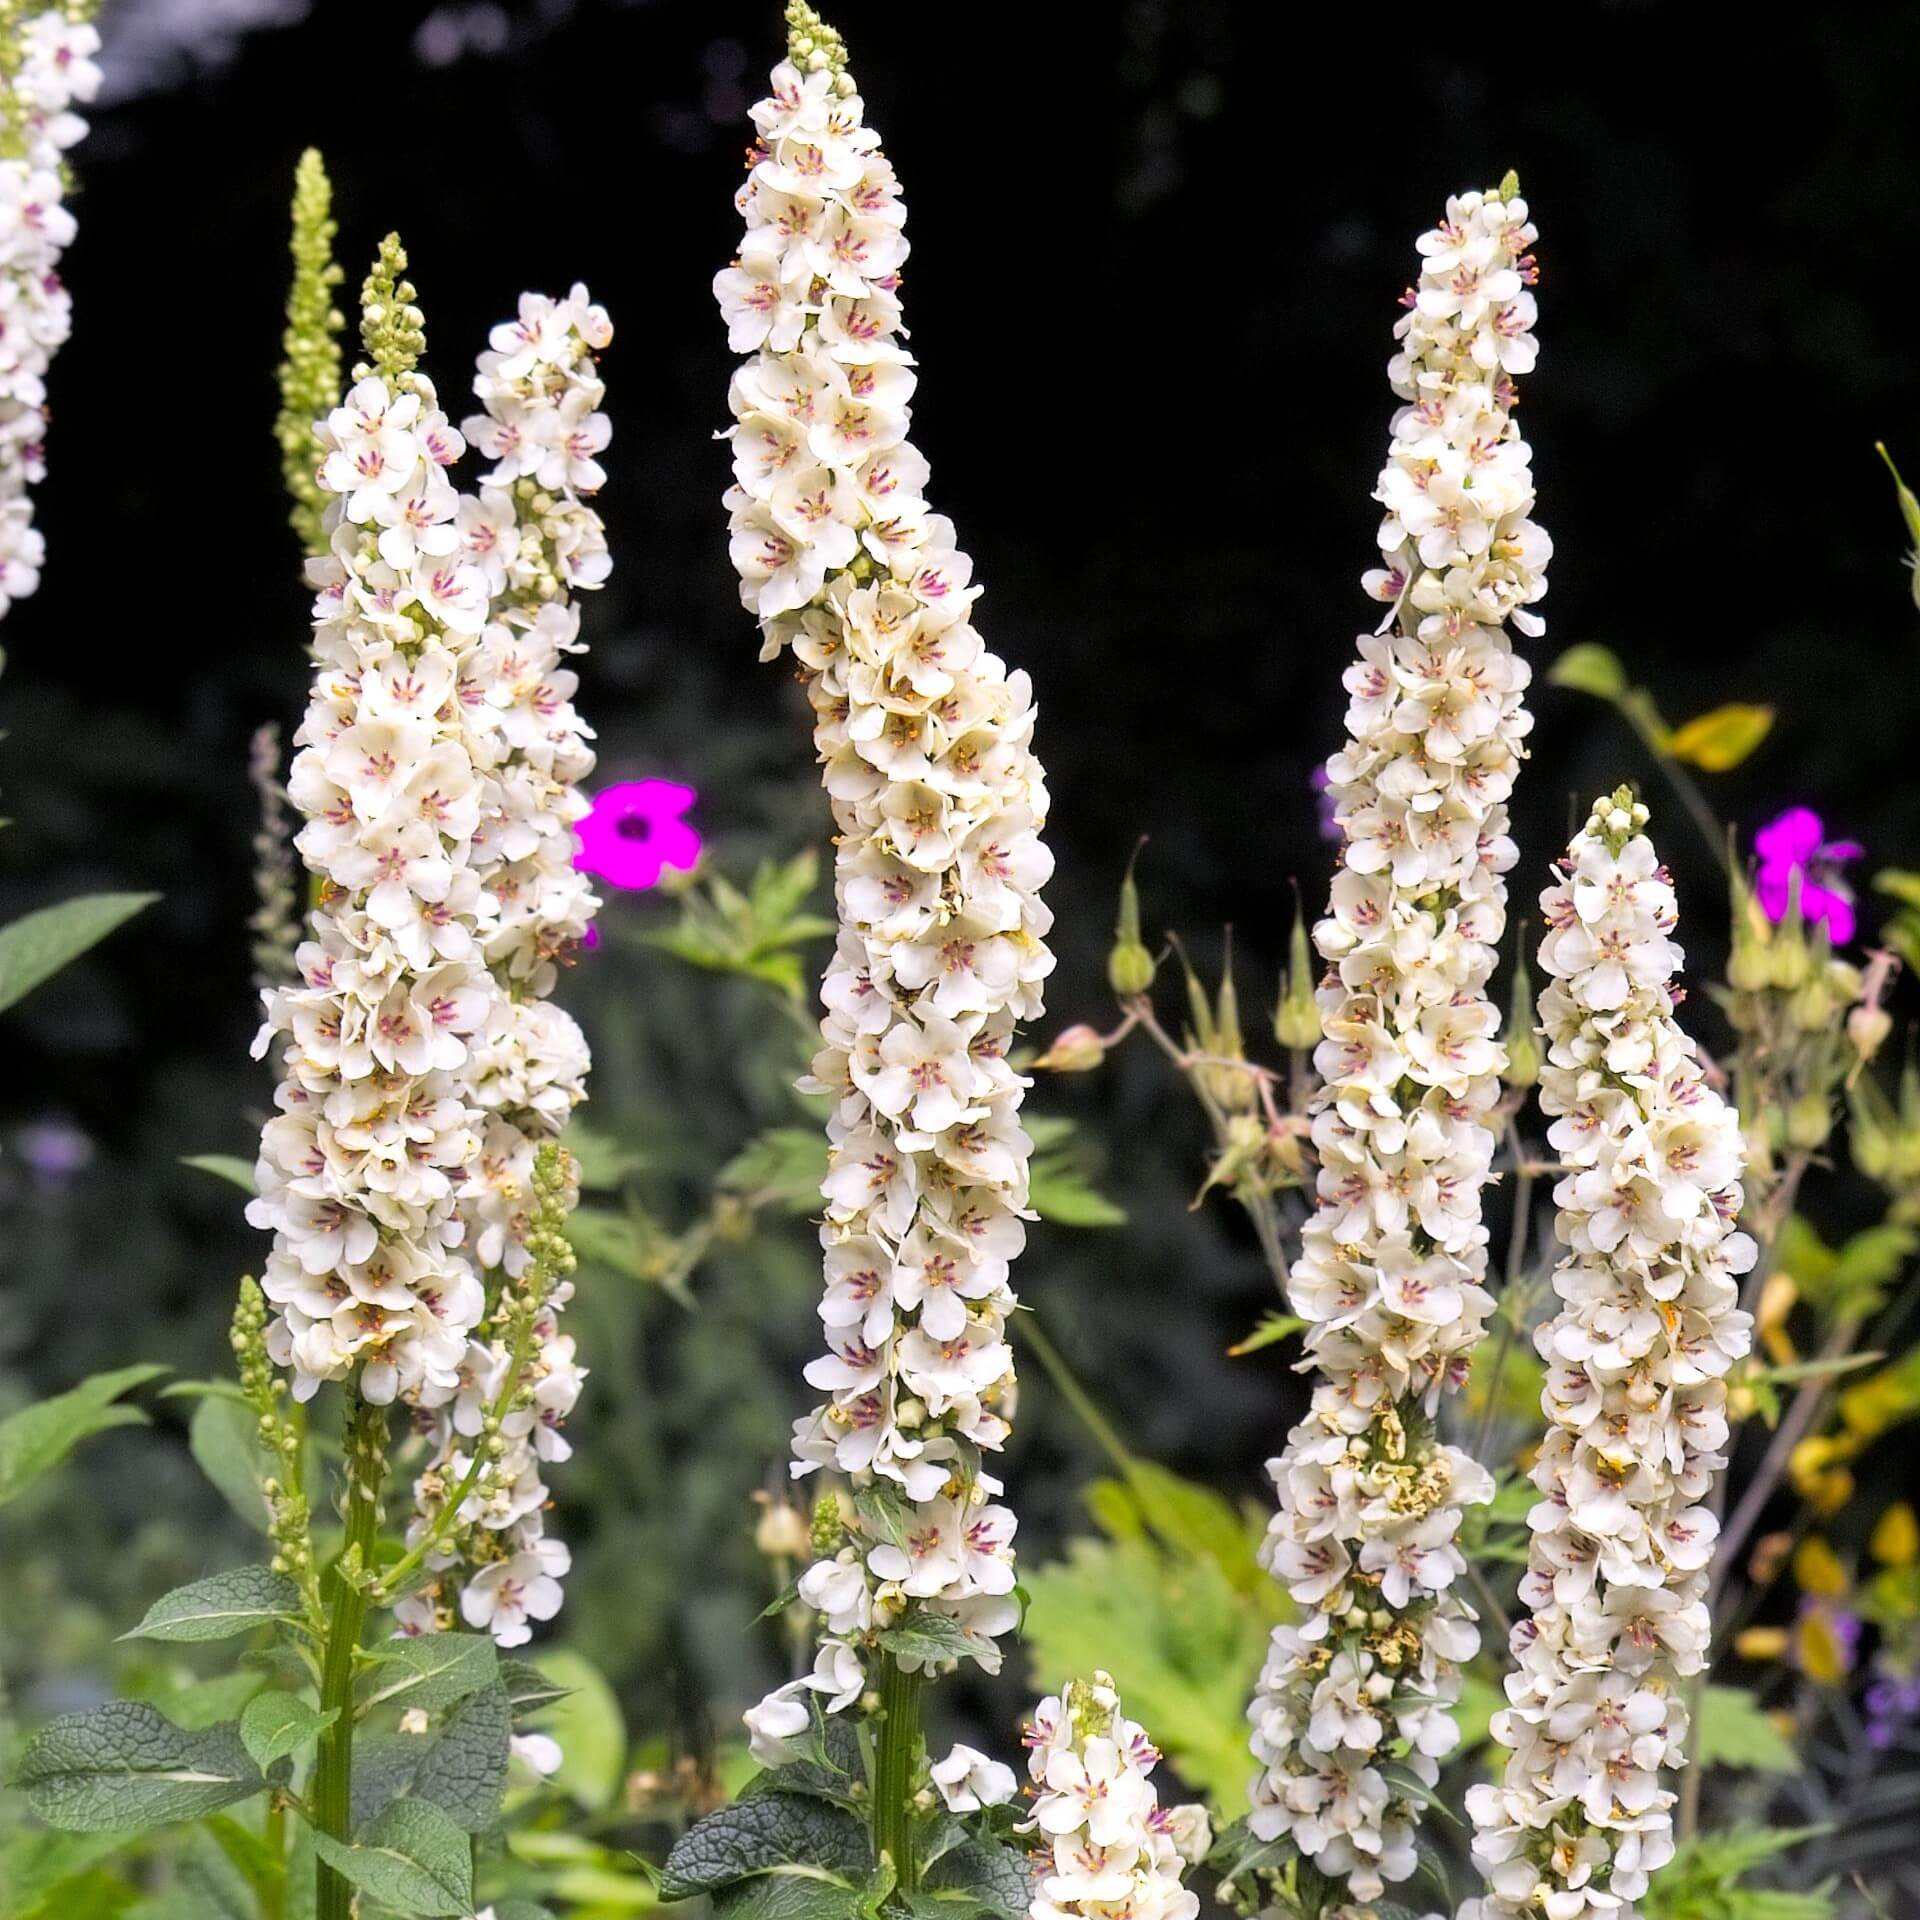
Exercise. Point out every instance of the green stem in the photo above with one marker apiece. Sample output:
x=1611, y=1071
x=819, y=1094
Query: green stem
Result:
x=1074, y=1394
x=365, y=1443
x=273, y=1899
x=1679, y=779
x=894, y=1768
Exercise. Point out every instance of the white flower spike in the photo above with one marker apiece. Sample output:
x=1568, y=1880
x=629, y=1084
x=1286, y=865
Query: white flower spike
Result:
x=938, y=803
x=1390, y=1272
x=1635, y=1401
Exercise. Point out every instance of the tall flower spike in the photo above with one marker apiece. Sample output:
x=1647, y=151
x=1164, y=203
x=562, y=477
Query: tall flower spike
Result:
x=938, y=804
x=310, y=349
x=1390, y=1271
x=1103, y=1844
x=361, y=1173
x=533, y=536
x=1635, y=1400
x=46, y=64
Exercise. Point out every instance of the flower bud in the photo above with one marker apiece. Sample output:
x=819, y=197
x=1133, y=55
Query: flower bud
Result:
x=1130, y=966
x=1076, y=1049
x=1812, y=1006
x=1296, y=1020
x=1809, y=1121
x=1867, y=1029
x=781, y=1533
x=1521, y=1039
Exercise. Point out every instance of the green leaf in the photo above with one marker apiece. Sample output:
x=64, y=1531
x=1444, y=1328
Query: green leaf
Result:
x=383, y=1769
x=38, y=1866
x=37, y=946
x=213, y=1885
x=126, y=1766
x=1734, y=1731
x=1590, y=668
x=273, y=1725
x=220, y=1606
x=224, y=1438
x=464, y=1771
x=1273, y=1328
x=784, y=1164
x=412, y=1858
x=760, y=1834
x=36, y=1439
x=881, y=1510
x=223, y=1166
x=1717, y=742
x=436, y=1670
x=793, y=1893
x=920, y=1635
x=1899, y=884
x=528, y=1689
x=590, y=1729
x=996, y=1878
x=1061, y=1191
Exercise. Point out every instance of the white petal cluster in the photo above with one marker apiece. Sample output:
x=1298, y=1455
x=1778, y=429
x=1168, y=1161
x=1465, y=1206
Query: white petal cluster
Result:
x=1392, y=1261
x=46, y=64
x=362, y=1171
x=939, y=803
x=1105, y=1847
x=1635, y=1401
x=533, y=535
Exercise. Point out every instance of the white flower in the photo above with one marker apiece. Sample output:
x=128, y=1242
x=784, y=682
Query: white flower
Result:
x=1390, y=1272
x=968, y=1780
x=1107, y=1845
x=924, y=738
x=48, y=65
x=504, y=583
x=1634, y=1399
x=506, y=1596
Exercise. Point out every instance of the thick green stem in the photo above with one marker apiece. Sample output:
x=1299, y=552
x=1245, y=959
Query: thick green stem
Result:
x=366, y=1464
x=895, y=1766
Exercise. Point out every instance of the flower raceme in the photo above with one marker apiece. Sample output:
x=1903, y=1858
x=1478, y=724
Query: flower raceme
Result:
x=1104, y=1846
x=1390, y=1274
x=421, y=1059
x=46, y=64
x=1635, y=1401
x=924, y=736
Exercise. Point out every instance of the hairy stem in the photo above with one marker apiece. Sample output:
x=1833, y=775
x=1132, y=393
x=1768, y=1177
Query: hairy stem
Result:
x=894, y=1768
x=365, y=1447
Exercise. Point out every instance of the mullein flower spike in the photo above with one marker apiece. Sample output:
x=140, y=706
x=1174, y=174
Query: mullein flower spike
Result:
x=310, y=350
x=1635, y=1401
x=437, y=773
x=1355, y=1706
x=939, y=803
x=46, y=64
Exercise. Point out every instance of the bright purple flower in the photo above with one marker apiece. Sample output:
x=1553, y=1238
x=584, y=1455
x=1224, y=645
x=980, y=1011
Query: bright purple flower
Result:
x=634, y=830
x=1792, y=844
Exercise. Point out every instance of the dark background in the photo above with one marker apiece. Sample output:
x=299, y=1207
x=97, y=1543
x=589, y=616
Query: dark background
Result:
x=1156, y=253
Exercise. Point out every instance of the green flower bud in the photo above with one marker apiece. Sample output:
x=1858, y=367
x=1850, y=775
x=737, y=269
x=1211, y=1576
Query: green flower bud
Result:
x=1130, y=967
x=1809, y=1121
x=1296, y=1020
x=1522, y=1039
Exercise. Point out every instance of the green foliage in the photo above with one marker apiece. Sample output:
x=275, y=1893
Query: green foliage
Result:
x=36, y=1439
x=37, y=945
x=1852, y=1280
x=223, y=1166
x=781, y=1834
x=926, y=1636
x=782, y=1167
x=975, y=1878
x=463, y=1771
x=1702, y=1882
x=1733, y=1731
x=274, y=1726
x=411, y=1858
x=1590, y=668
x=1173, y=1604
x=224, y=1439
x=1061, y=1187
x=437, y=1670
x=220, y=1606
x=125, y=1766
x=585, y=1718
x=757, y=935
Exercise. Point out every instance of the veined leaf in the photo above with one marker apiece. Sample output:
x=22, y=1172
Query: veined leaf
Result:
x=220, y=1606
x=125, y=1766
x=37, y=946
x=412, y=1857
x=36, y=1439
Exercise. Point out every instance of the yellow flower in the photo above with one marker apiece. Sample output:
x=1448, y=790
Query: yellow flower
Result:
x=1761, y=1643
x=1818, y=1649
x=1777, y=1300
x=1896, y=1537
x=1817, y=1569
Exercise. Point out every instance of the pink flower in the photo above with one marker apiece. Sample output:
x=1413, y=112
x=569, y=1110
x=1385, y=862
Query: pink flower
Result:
x=634, y=830
x=1791, y=844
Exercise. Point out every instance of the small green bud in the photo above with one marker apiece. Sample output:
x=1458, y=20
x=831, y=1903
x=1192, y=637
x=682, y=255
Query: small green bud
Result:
x=1130, y=967
x=1296, y=1020
x=1809, y=1121
x=1522, y=1038
x=829, y=1527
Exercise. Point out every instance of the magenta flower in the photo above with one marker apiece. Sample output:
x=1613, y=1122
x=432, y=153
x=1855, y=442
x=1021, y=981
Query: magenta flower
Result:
x=634, y=830
x=1325, y=805
x=1792, y=844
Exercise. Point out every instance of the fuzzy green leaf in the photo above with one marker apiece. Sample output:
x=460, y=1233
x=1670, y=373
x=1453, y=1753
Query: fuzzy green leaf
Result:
x=412, y=1858
x=1734, y=1731
x=590, y=1728
x=224, y=1438
x=995, y=1879
x=125, y=1766
x=220, y=1606
x=223, y=1166
x=273, y=1725
x=435, y=1671
x=920, y=1635
x=762, y=1834
x=1590, y=668
x=464, y=1771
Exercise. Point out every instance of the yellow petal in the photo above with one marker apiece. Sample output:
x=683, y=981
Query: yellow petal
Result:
x=1896, y=1537
x=1817, y=1568
x=1720, y=740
